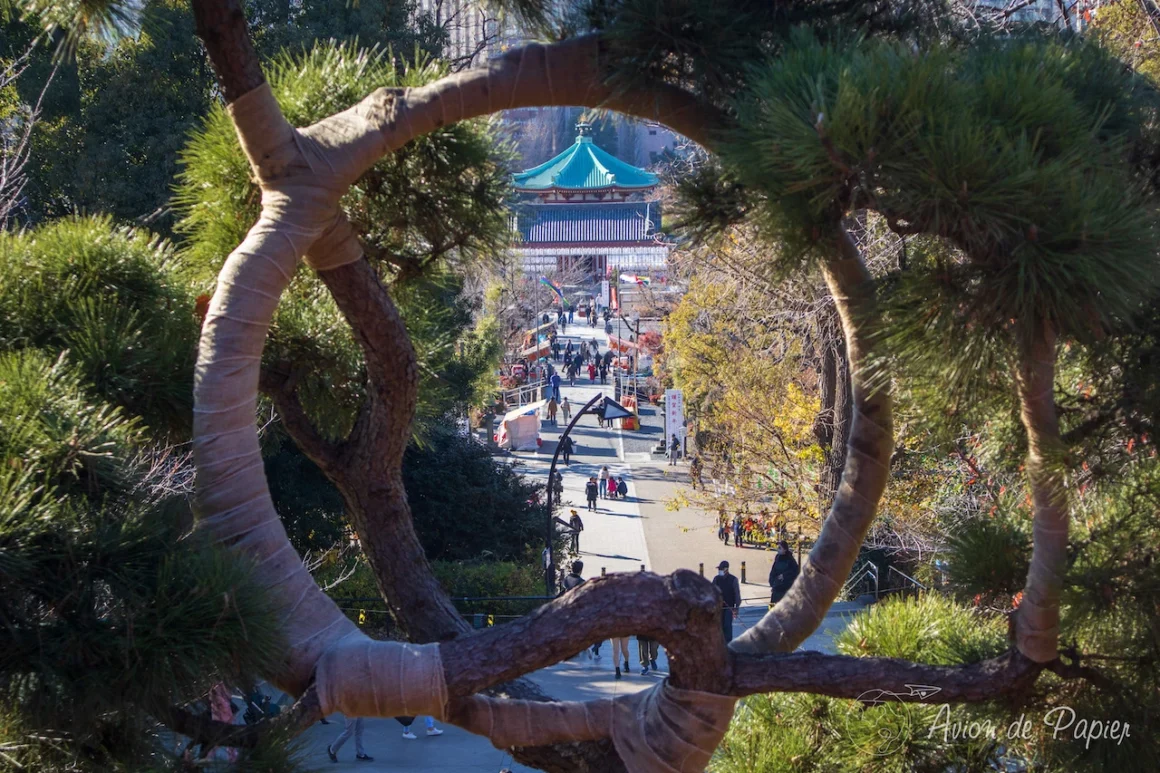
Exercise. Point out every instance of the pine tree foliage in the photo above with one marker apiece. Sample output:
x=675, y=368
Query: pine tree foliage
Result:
x=113, y=300
x=427, y=215
x=111, y=611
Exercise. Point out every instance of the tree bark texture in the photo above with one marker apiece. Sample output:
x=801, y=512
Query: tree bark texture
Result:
x=832, y=427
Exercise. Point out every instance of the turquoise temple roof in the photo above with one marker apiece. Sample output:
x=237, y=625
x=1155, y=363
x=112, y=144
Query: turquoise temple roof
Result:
x=583, y=167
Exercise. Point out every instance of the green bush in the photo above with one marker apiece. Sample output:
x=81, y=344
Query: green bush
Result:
x=112, y=299
x=925, y=629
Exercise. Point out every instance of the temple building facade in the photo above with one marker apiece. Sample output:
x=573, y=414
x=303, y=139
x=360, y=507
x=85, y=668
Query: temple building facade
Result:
x=587, y=212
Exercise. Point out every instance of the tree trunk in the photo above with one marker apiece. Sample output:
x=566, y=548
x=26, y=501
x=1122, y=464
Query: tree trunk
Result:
x=832, y=426
x=801, y=610
x=1037, y=618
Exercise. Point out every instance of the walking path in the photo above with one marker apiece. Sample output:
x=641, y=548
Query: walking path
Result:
x=623, y=535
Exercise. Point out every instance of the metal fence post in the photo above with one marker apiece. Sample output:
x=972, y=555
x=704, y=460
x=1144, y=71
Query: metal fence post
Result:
x=743, y=572
x=701, y=568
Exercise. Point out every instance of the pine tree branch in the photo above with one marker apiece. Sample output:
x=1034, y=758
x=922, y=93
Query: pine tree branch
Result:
x=221, y=24
x=280, y=385
x=873, y=680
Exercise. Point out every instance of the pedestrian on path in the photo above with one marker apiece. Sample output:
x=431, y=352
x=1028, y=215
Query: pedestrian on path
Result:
x=674, y=450
x=604, y=482
x=737, y=529
x=622, y=488
x=577, y=527
x=571, y=315
x=558, y=486
x=649, y=650
x=592, y=373
x=730, y=591
x=406, y=722
x=783, y=573
x=590, y=491
x=567, y=446
x=556, y=381
x=612, y=487
x=723, y=526
x=695, y=467
x=354, y=726
x=552, y=410
x=603, y=374
x=566, y=410
x=619, y=653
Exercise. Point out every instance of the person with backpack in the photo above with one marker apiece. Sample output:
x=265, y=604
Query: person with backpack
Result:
x=674, y=450
x=591, y=489
x=730, y=591
x=573, y=579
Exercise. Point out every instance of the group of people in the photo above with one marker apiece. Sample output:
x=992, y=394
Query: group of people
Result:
x=585, y=357
x=607, y=486
x=648, y=650
x=782, y=574
x=745, y=528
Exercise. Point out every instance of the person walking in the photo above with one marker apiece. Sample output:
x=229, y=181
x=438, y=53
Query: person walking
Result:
x=406, y=722
x=674, y=450
x=558, y=486
x=566, y=410
x=783, y=573
x=649, y=650
x=604, y=482
x=695, y=467
x=566, y=448
x=571, y=315
x=620, y=653
x=603, y=374
x=611, y=487
x=555, y=349
x=567, y=361
x=592, y=373
x=591, y=489
x=577, y=527
x=730, y=591
x=552, y=410
x=622, y=488
x=737, y=527
x=354, y=726
x=723, y=526
x=556, y=381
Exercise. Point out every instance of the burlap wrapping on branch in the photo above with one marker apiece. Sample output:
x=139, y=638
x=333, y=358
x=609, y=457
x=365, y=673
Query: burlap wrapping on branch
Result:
x=660, y=730
x=303, y=174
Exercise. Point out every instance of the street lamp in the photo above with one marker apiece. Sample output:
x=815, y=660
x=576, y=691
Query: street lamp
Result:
x=549, y=580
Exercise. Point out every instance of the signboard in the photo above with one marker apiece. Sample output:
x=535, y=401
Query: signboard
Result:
x=614, y=410
x=674, y=416
x=604, y=293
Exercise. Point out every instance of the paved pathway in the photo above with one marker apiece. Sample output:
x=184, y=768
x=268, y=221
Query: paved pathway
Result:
x=621, y=536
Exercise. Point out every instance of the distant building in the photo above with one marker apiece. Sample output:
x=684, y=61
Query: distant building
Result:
x=588, y=211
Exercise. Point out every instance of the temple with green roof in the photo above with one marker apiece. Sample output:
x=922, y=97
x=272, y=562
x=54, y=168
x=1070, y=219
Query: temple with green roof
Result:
x=587, y=210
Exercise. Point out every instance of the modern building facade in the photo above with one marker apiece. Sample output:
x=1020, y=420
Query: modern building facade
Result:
x=589, y=213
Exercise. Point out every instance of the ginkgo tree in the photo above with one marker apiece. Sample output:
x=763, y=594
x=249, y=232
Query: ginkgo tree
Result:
x=1033, y=188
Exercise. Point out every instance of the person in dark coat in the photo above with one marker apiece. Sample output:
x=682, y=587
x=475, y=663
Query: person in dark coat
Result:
x=621, y=488
x=577, y=527
x=592, y=491
x=730, y=598
x=784, y=572
x=573, y=578
x=566, y=449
